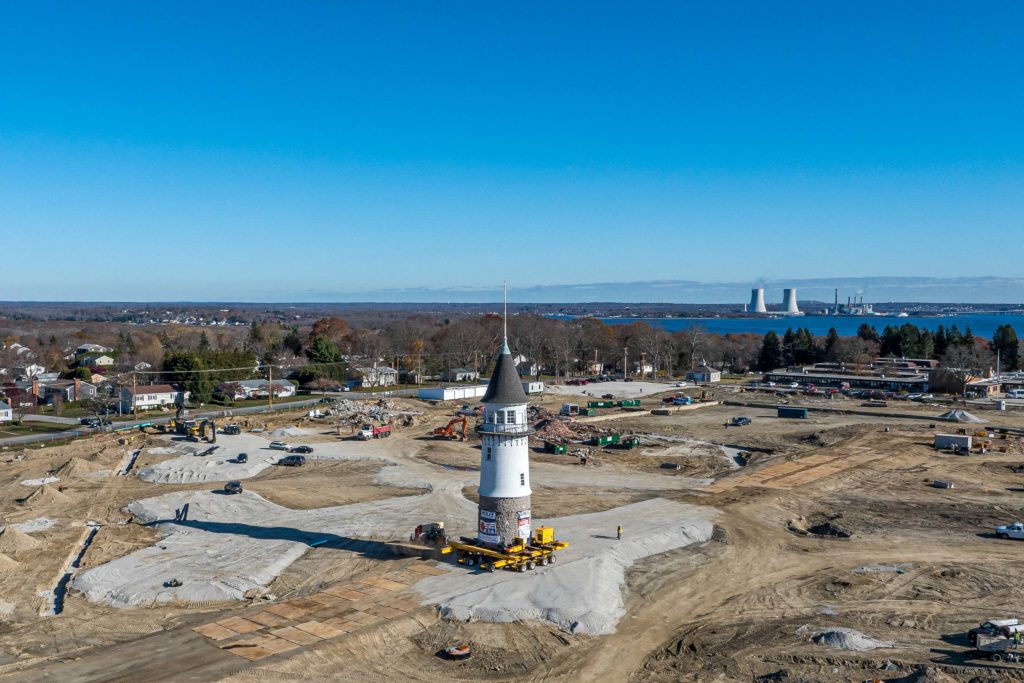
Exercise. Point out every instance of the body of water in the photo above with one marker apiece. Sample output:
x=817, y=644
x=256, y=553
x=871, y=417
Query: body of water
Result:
x=981, y=324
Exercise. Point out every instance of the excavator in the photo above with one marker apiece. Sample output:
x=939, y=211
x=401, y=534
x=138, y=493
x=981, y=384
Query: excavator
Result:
x=448, y=431
x=198, y=430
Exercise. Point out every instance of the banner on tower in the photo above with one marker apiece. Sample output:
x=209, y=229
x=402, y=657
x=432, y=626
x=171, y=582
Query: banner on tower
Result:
x=523, y=518
x=487, y=529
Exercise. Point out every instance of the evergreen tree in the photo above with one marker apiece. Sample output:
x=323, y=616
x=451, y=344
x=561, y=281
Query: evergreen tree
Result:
x=323, y=350
x=968, y=338
x=789, y=347
x=831, y=339
x=867, y=332
x=770, y=356
x=1005, y=342
x=941, y=343
x=204, y=343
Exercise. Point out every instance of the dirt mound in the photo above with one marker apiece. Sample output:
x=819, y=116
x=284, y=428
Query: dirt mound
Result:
x=831, y=437
x=960, y=416
x=76, y=467
x=7, y=564
x=44, y=495
x=14, y=541
x=291, y=431
x=849, y=639
x=817, y=526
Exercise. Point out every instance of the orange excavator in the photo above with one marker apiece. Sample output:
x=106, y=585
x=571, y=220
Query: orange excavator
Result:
x=448, y=431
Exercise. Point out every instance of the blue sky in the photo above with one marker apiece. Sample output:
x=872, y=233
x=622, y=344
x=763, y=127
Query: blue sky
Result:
x=314, y=151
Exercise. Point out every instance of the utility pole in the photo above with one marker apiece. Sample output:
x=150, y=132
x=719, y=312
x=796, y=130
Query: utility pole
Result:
x=643, y=366
x=625, y=362
x=270, y=386
x=134, y=401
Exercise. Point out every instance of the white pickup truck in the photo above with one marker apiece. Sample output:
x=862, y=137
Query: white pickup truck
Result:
x=1015, y=530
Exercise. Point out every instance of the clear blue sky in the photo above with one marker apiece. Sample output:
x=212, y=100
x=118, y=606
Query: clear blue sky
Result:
x=310, y=151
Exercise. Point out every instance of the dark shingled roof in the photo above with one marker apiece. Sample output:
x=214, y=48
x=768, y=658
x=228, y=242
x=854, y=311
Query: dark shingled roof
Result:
x=505, y=386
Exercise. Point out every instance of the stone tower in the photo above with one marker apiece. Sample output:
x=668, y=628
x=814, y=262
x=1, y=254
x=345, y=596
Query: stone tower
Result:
x=504, y=510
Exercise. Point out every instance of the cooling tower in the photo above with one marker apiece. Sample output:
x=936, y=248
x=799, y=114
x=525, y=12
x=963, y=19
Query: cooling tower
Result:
x=757, y=301
x=789, y=302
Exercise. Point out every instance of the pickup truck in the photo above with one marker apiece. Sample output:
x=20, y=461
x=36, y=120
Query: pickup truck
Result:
x=1015, y=530
x=367, y=432
x=1002, y=628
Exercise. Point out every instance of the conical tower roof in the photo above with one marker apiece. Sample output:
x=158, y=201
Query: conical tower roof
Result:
x=505, y=386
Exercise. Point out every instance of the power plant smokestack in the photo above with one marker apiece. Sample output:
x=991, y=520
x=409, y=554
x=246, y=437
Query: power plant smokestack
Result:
x=757, y=301
x=789, y=301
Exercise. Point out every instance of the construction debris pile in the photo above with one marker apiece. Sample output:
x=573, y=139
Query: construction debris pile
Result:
x=560, y=431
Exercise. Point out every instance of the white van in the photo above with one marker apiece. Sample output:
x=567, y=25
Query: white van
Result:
x=1015, y=393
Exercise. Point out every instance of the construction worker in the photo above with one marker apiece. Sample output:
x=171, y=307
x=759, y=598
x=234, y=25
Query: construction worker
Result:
x=1016, y=638
x=618, y=534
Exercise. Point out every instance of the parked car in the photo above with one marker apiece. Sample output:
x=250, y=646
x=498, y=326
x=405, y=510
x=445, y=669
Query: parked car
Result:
x=292, y=461
x=278, y=445
x=89, y=422
x=740, y=421
x=233, y=430
x=300, y=449
x=608, y=396
x=233, y=487
x=242, y=458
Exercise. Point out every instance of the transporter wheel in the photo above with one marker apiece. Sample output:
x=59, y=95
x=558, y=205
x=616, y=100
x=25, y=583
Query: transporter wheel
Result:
x=469, y=561
x=521, y=568
x=996, y=657
x=531, y=564
x=543, y=561
x=491, y=567
x=551, y=558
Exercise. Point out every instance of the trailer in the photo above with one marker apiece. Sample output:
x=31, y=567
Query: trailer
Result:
x=955, y=441
x=628, y=403
x=998, y=648
x=798, y=413
x=523, y=555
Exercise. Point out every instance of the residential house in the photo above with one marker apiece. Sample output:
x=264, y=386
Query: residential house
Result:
x=96, y=361
x=256, y=388
x=149, y=396
x=68, y=390
x=526, y=367
x=642, y=369
x=372, y=376
x=6, y=412
x=593, y=368
x=705, y=373
x=92, y=348
x=461, y=375
x=28, y=371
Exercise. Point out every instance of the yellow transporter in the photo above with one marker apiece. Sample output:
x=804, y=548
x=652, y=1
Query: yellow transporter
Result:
x=524, y=554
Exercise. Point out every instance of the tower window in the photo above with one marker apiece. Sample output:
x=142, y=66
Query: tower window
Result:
x=488, y=452
x=522, y=479
x=510, y=417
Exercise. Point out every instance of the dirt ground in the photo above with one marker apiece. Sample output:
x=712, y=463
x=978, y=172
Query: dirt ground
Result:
x=831, y=524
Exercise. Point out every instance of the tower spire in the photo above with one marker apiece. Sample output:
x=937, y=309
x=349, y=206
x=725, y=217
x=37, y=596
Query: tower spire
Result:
x=504, y=320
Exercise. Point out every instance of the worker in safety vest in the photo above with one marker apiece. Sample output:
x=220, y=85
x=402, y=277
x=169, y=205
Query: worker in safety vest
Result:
x=618, y=532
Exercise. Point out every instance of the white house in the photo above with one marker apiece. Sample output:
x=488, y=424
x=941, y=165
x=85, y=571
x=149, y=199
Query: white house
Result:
x=29, y=371
x=99, y=361
x=148, y=396
x=373, y=376
x=92, y=348
x=642, y=369
x=257, y=388
x=6, y=413
x=704, y=373
x=461, y=375
x=525, y=366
